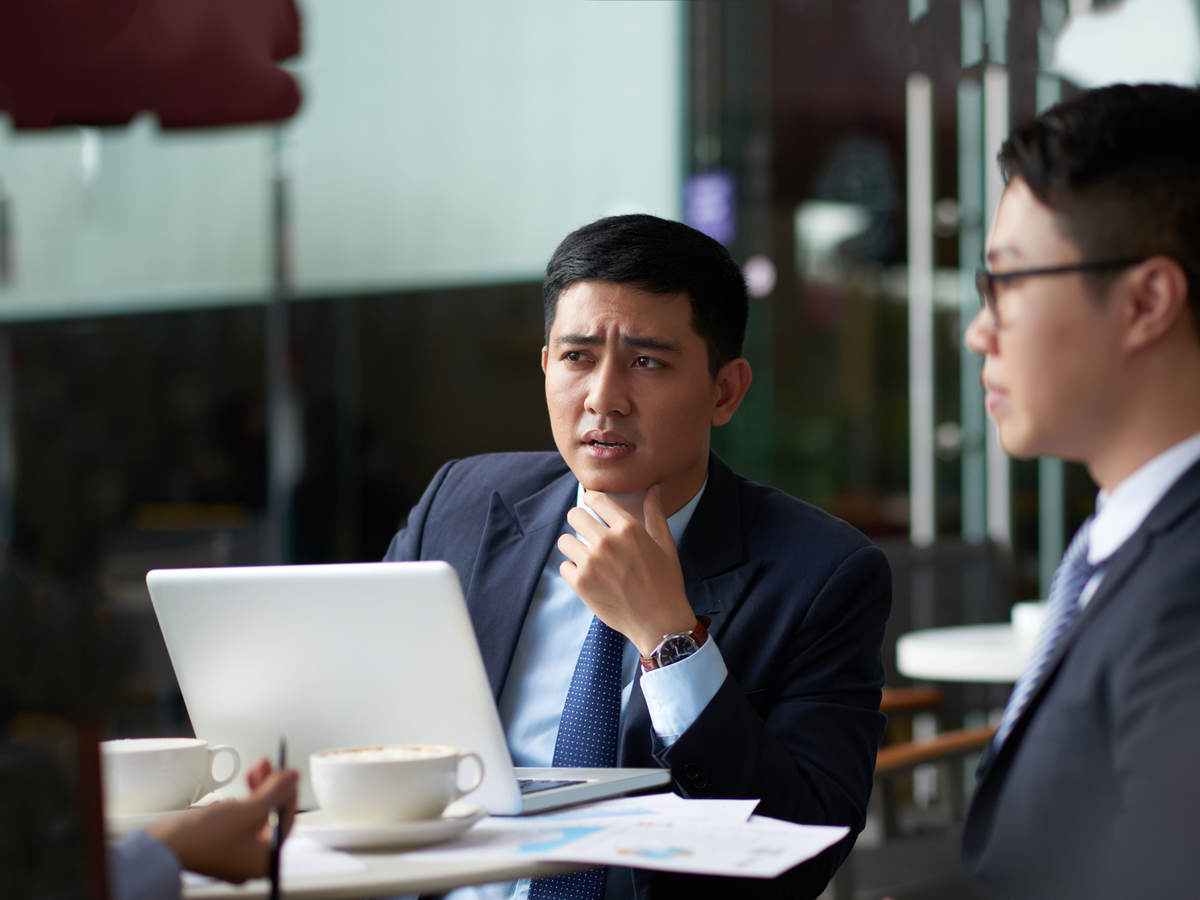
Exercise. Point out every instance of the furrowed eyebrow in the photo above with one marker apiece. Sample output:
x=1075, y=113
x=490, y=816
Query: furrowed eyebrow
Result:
x=650, y=343
x=579, y=340
x=635, y=341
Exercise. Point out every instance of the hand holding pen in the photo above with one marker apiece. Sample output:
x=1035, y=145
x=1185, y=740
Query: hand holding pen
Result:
x=231, y=839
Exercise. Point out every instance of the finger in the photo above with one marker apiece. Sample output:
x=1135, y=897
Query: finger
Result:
x=277, y=790
x=605, y=507
x=572, y=548
x=289, y=807
x=585, y=526
x=571, y=575
x=258, y=773
x=289, y=814
x=280, y=791
x=656, y=518
x=280, y=787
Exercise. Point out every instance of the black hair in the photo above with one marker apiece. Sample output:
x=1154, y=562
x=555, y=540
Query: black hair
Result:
x=1120, y=168
x=661, y=257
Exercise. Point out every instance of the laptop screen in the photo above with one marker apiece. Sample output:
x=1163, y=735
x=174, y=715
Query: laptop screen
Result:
x=331, y=656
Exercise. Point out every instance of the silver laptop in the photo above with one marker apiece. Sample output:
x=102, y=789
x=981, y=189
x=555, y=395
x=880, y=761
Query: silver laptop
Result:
x=349, y=655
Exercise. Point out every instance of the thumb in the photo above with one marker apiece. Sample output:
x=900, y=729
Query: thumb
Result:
x=656, y=519
x=281, y=786
x=278, y=790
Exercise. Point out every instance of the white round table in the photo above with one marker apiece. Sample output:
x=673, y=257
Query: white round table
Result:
x=984, y=653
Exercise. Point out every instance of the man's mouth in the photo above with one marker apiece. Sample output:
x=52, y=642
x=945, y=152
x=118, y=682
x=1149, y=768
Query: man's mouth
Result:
x=994, y=395
x=607, y=441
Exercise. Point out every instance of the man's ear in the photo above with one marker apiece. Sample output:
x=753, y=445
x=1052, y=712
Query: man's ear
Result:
x=545, y=358
x=1156, y=301
x=729, y=387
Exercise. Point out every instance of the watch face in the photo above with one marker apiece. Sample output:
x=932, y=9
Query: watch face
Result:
x=675, y=648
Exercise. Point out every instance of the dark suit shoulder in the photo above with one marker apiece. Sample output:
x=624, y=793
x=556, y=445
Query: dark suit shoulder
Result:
x=740, y=522
x=513, y=475
x=768, y=511
x=449, y=518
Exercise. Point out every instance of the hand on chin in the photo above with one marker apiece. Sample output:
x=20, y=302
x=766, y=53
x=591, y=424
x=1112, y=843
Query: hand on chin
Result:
x=630, y=502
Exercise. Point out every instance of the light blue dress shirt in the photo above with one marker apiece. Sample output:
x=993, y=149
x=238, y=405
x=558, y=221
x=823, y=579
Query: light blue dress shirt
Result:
x=544, y=661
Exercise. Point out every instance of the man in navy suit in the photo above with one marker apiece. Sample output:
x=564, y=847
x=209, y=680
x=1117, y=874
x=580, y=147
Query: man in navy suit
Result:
x=753, y=620
x=1091, y=340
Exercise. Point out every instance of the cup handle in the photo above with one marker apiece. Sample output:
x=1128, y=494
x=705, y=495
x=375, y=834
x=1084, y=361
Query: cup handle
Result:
x=459, y=789
x=213, y=752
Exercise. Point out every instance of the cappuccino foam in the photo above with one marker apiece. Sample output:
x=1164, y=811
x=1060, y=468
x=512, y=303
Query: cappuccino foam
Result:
x=387, y=754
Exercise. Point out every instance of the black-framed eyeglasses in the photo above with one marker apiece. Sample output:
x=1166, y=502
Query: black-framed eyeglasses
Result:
x=985, y=281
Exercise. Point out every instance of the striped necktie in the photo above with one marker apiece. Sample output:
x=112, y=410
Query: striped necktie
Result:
x=1072, y=574
x=587, y=736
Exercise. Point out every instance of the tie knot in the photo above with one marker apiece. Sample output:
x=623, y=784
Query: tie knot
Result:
x=1074, y=571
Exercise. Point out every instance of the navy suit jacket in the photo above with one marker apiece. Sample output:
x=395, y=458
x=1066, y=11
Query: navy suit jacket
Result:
x=798, y=602
x=1096, y=792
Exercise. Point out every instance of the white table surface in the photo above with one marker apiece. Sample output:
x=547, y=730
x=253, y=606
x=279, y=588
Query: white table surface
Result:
x=988, y=653
x=386, y=875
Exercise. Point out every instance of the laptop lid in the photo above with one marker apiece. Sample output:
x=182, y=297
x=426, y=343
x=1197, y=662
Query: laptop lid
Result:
x=345, y=655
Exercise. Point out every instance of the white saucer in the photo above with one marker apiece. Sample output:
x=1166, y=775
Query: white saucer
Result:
x=457, y=818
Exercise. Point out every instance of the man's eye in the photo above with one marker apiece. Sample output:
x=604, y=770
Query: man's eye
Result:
x=573, y=356
x=646, y=362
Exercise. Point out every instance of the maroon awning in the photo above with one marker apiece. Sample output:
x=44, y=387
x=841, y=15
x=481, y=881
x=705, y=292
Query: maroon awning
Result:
x=193, y=63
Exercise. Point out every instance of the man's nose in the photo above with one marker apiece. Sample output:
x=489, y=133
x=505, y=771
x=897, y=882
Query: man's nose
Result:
x=980, y=336
x=608, y=390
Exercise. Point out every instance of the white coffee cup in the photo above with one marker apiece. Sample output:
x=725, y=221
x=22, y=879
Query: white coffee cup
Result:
x=147, y=775
x=388, y=784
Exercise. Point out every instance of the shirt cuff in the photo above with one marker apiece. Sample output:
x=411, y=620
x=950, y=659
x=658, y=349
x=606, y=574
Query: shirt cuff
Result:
x=142, y=868
x=678, y=693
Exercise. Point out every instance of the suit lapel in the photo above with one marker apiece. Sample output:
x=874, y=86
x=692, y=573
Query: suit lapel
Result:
x=1178, y=501
x=512, y=554
x=1115, y=571
x=712, y=553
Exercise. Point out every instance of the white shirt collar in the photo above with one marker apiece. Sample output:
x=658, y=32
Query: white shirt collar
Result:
x=1121, y=512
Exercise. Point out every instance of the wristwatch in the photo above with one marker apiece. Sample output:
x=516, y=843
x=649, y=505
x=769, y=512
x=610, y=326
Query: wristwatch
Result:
x=674, y=647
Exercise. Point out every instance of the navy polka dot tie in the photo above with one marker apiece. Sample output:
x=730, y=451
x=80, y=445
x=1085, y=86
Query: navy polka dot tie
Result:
x=587, y=736
x=1070, y=578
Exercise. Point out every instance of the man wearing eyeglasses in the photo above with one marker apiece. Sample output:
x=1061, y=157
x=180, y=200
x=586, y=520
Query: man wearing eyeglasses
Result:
x=1090, y=333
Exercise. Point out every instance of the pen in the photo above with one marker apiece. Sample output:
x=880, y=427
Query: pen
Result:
x=276, y=821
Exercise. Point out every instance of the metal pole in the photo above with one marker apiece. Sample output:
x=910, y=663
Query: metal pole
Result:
x=8, y=444
x=1051, y=483
x=970, y=251
x=282, y=449
x=919, y=119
